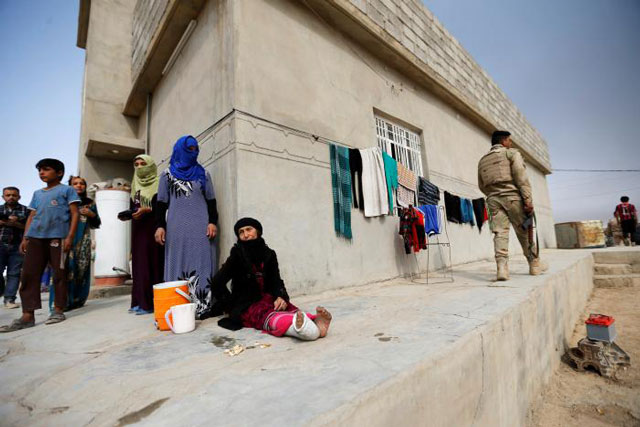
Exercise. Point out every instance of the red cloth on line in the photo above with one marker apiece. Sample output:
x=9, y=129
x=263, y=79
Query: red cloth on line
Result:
x=412, y=229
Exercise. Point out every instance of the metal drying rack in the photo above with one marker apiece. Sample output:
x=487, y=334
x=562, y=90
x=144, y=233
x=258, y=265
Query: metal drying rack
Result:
x=448, y=267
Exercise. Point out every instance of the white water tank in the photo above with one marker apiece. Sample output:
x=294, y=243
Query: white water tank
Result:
x=113, y=238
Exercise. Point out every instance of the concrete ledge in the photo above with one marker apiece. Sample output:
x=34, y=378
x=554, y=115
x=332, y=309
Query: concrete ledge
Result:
x=109, y=291
x=113, y=147
x=463, y=353
x=612, y=269
x=616, y=280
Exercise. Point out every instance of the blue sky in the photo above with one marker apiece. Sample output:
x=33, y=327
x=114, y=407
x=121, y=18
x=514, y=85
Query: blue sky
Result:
x=571, y=67
x=41, y=85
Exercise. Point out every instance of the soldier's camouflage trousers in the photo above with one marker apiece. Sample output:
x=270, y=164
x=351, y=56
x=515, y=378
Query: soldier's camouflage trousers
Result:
x=502, y=212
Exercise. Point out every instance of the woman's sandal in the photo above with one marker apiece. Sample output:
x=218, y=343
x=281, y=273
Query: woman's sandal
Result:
x=55, y=317
x=16, y=325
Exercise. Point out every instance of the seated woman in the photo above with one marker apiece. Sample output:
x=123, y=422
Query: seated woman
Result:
x=258, y=298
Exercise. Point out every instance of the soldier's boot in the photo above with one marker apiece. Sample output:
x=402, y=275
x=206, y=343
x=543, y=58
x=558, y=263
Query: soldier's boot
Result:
x=627, y=241
x=503, y=269
x=537, y=267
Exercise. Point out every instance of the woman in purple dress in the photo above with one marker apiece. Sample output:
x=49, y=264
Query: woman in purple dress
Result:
x=187, y=216
x=147, y=257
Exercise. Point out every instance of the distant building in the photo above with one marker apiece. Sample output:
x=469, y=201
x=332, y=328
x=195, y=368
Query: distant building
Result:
x=264, y=84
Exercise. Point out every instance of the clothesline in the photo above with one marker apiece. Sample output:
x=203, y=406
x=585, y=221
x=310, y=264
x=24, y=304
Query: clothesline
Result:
x=374, y=182
x=315, y=137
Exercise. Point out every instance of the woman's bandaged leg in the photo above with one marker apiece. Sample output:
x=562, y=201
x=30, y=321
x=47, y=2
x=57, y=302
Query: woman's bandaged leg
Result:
x=281, y=323
x=308, y=331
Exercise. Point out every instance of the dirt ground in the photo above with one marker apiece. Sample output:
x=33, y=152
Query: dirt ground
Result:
x=585, y=398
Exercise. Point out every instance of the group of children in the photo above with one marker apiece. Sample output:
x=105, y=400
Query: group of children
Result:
x=48, y=236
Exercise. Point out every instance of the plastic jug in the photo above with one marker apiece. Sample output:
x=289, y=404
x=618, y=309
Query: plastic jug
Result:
x=165, y=296
x=184, y=318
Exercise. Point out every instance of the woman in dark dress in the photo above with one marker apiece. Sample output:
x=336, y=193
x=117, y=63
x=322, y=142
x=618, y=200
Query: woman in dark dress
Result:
x=258, y=297
x=147, y=257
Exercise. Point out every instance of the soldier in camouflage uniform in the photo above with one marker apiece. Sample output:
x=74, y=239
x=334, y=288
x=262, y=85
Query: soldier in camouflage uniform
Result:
x=502, y=177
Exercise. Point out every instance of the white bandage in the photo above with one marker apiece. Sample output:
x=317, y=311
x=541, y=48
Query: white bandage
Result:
x=308, y=331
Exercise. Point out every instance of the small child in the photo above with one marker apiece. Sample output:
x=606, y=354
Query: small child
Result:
x=48, y=236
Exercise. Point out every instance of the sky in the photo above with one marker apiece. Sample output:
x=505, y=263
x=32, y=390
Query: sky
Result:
x=41, y=73
x=570, y=66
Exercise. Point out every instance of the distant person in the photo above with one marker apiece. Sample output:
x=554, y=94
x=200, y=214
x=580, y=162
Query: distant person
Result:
x=78, y=266
x=187, y=215
x=627, y=217
x=13, y=217
x=258, y=298
x=502, y=177
x=147, y=256
x=49, y=234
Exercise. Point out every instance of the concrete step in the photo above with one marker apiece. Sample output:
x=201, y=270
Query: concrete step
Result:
x=98, y=292
x=617, y=255
x=616, y=280
x=605, y=269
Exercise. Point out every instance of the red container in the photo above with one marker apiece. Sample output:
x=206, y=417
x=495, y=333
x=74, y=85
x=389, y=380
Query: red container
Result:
x=601, y=328
x=600, y=320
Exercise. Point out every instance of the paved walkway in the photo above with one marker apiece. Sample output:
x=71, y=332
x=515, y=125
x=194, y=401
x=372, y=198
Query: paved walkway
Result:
x=104, y=366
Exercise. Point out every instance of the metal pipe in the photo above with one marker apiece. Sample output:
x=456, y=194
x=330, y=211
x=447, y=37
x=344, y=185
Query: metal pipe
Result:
x=147, y=144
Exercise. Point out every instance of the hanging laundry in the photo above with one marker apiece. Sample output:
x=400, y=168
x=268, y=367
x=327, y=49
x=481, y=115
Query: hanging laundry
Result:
x=374, y=183
x=355, y=165
x=452, y=206
x=479, y=209
x=406, y=197
x=341, y=186
x=412, y=230
x=391, y=173
x=431, y=219
x=406, y=186
x=466, y=208
x=428, y=193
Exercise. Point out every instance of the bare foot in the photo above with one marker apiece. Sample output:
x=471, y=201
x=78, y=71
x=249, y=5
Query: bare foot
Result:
x=322, y=320
x=299, y=319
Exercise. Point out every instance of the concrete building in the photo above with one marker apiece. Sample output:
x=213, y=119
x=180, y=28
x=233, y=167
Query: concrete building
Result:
x=265, y=85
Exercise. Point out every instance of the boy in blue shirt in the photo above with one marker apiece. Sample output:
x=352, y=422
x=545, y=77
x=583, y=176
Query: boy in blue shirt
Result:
x=48, y=236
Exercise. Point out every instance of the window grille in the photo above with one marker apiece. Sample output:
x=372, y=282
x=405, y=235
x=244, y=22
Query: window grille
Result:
x=401, y=144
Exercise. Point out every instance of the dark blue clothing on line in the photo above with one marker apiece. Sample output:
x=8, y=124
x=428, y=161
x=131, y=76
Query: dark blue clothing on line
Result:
x=431, y=219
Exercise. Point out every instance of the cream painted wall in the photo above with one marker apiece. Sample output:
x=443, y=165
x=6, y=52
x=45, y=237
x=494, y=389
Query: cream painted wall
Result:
x=298, y=71
x=281, y=62
x=107, y=79
x=195, y=93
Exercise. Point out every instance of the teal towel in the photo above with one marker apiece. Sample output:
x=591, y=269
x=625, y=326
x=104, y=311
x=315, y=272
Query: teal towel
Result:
x=341, y=186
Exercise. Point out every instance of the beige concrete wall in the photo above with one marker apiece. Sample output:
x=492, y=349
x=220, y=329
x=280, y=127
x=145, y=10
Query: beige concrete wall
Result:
x=292, y=68
x=542, y=205
x=194, y=94
x=488, y=377
x=313, y=78
x=422, y=34
x=107, y=80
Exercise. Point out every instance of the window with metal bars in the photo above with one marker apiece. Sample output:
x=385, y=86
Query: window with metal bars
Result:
x=400, y=143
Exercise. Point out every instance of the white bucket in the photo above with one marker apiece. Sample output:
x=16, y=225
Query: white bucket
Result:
x=184, y=318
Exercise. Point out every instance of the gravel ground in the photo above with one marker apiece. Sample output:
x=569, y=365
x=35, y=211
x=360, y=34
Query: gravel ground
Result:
x=585, y=398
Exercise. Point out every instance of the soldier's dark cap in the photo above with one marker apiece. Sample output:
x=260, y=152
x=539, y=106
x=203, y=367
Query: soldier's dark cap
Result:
x=498, y=136
x=500, y=133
